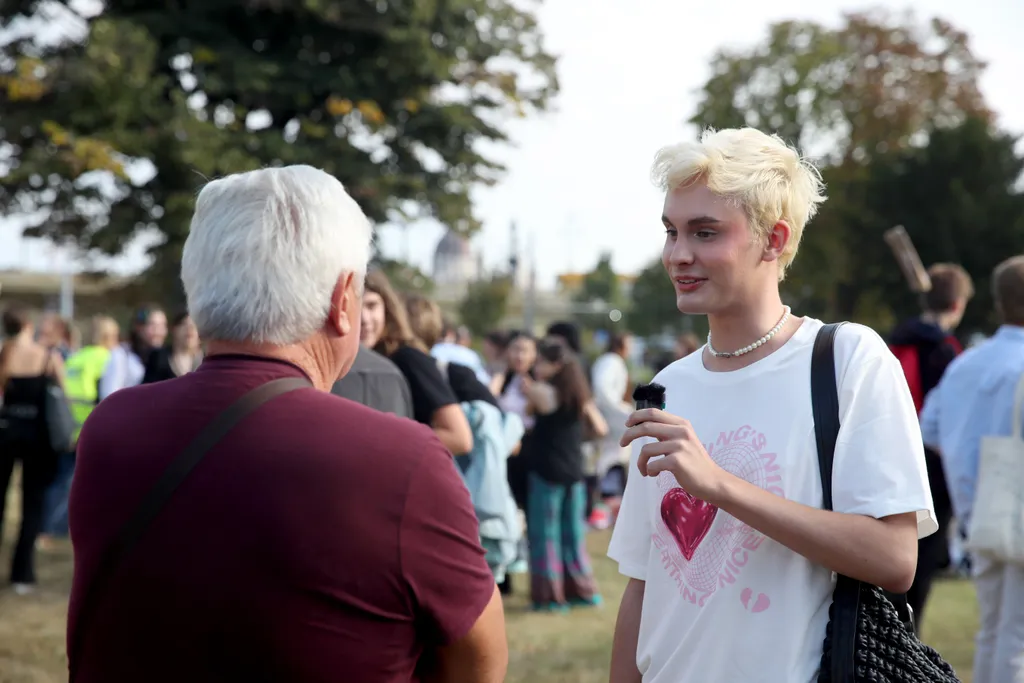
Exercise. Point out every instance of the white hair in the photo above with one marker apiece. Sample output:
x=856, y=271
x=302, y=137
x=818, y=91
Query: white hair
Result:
x=759, y=172
x=265, y=251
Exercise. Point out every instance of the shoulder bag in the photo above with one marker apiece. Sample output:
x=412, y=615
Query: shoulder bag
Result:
x=868, y=637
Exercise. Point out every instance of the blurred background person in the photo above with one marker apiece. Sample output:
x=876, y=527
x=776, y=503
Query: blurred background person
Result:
x=27, y=368
x=448, y=348
x=560, y=570
x=56, y=333
x=82, y=373
x=385, y=328
x=181, y=355
x=610, y=382
x=127, y=366
x=495, y=344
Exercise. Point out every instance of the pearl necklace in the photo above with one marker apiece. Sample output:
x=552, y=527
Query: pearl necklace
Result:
x=750, y=347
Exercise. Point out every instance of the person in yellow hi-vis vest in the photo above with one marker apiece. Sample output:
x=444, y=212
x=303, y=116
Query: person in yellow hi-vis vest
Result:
x=83, y=370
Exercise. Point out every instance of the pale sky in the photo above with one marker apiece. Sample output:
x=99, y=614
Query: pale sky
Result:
x=577, y=182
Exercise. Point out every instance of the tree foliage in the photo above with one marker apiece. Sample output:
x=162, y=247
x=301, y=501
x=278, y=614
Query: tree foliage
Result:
x=392, y=97
x=910, y=139
x=876, y=83
x=485, y=304
x=599, y=294
x=653, y=308
x=958, y=198
x=405, y=277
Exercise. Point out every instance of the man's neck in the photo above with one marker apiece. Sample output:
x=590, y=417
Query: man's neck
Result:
x=943, y=321
x=308, y=357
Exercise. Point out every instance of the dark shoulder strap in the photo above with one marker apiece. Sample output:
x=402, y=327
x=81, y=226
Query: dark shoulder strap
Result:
x=846, y=597
x=158, y=496
x=825, y=405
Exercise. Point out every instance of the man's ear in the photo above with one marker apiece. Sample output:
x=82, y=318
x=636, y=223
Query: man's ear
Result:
x=343, y=301
x=777, y=240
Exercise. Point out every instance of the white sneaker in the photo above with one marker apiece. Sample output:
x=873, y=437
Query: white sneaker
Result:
x=23, y=589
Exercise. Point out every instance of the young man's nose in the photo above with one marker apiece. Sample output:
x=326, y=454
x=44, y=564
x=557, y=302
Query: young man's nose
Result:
x=681, y=252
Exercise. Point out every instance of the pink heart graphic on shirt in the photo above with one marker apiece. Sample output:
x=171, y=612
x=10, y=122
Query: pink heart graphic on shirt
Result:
x=761, y=604
x=687, y=518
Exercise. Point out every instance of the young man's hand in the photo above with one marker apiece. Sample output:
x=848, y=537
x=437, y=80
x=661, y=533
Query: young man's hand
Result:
x=677, y=450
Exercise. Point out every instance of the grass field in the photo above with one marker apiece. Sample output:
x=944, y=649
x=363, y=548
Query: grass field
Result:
x=571, y=648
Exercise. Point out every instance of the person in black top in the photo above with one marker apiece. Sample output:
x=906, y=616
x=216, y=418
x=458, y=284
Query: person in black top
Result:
x=181, y=356
x=27, y=370
x=560, y=573
x=385, y=328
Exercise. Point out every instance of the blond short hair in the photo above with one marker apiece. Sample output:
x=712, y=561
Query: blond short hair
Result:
x=769, y=180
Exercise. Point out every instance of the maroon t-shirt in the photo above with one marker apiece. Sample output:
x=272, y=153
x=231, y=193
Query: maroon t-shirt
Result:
x=319, y=541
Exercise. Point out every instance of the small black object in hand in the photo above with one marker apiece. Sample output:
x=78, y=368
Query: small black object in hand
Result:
x=649, y=396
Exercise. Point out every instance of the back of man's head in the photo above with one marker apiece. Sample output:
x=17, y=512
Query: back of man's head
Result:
x=265, y=251
x=952, y=288
x=1008, y=290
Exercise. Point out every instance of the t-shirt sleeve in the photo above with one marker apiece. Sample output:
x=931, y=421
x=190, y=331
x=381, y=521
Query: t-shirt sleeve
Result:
x=879, y=468
x=631, y=539
x=442, y=561
x=467, y=386
x=429, y=389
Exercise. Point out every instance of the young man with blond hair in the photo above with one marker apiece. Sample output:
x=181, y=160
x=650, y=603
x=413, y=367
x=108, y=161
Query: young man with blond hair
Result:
x=729, y=554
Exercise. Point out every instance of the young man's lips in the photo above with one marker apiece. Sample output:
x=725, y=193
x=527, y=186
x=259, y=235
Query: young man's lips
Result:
x=688, y=284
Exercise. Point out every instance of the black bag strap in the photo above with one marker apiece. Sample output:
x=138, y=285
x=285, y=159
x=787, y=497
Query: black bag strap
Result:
x=846, y=597
x=158, y=496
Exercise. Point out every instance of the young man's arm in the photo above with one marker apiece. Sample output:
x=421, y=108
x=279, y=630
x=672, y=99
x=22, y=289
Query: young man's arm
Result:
x=627, y=635
x=882, y=552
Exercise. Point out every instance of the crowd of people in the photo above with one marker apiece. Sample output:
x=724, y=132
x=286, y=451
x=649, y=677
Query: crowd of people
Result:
x=46, y=354
x=312, y=473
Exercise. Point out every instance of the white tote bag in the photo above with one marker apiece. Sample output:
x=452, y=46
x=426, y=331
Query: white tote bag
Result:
x=996, y=528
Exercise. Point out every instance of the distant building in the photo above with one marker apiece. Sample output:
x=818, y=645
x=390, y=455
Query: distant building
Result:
x=455, y=264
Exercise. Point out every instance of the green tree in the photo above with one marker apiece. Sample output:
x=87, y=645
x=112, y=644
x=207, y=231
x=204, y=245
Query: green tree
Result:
x=876, y=83
x=959, y=200
x=600, y=294
x=405, y=277
x=653, y=308
x=485, y=304
x=392, y=98
x=875, y=88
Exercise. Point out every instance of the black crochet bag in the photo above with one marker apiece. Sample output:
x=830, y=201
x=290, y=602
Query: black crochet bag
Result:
x=870, y=634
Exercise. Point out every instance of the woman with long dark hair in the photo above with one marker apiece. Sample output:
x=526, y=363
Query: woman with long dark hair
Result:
x=560, y=571
x=26, y=370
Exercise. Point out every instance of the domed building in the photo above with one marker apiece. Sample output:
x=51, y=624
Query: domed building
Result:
x=454, y=261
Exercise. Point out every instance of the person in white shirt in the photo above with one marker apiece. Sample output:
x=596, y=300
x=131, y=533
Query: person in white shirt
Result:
x=729, y=554
x=609, y=378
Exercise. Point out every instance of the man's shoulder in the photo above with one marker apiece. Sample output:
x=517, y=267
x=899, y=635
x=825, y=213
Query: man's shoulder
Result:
x=369, y=361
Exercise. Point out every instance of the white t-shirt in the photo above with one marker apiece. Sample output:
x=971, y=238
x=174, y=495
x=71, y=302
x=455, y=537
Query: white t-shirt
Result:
x=722, y=601
x=609, y=380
